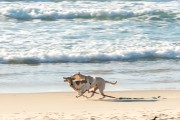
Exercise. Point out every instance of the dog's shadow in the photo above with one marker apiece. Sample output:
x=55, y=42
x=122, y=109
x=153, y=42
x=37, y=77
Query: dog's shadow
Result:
x=128, y=100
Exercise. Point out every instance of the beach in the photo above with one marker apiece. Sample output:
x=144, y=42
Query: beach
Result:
x=129, y=105
x=133, y=42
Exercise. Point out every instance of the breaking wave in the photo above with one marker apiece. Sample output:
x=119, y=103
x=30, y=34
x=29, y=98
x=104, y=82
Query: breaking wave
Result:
x=91, y=57
x=27, y=14
x=81, y=10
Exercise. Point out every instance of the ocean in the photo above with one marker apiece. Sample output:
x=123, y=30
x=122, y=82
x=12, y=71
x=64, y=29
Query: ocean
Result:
x=134, y=42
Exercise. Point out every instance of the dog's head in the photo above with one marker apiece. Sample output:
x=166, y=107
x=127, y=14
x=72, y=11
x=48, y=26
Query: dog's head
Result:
x=78, y=76
x=68, y=79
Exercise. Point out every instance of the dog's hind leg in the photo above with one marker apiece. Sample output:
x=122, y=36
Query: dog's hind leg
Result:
x=101, y=89
x=102, y=95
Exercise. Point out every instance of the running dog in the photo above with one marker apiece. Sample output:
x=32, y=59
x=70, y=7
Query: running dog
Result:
x=79, y=86
x=96, y=83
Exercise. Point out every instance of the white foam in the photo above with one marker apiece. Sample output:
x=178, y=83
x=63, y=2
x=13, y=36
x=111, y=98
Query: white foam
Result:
x=91, y=41
x=89, y=10
x=108, y=51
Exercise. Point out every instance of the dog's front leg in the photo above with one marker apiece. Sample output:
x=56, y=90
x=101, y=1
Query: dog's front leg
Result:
x=80, y=93
x=77, y=96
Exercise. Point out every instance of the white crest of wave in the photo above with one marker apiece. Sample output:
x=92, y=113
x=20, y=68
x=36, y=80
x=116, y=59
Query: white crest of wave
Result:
x=34, y=56
x=81, y=9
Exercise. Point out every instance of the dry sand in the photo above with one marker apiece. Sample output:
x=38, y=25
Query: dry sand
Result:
x=133, y=105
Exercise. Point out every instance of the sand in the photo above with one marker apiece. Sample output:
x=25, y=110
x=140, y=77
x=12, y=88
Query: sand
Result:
x=132, y=105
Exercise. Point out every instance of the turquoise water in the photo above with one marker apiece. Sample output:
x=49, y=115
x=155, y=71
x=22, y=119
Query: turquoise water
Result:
x=135, y=42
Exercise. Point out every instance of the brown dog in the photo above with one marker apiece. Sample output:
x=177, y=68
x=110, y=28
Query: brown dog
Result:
x=96, y=83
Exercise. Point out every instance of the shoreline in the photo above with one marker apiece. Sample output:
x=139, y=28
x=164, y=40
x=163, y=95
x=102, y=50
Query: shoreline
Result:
x=140, y=105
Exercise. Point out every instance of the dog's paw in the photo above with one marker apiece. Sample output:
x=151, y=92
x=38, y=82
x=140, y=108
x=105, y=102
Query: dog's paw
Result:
x=86, y=97
x=101, y=98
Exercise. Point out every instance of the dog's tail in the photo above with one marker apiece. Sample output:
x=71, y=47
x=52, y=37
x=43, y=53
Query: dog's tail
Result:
x=112, y=83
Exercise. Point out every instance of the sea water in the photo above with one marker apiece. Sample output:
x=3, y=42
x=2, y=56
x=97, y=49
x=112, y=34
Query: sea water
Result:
x=134, y=42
